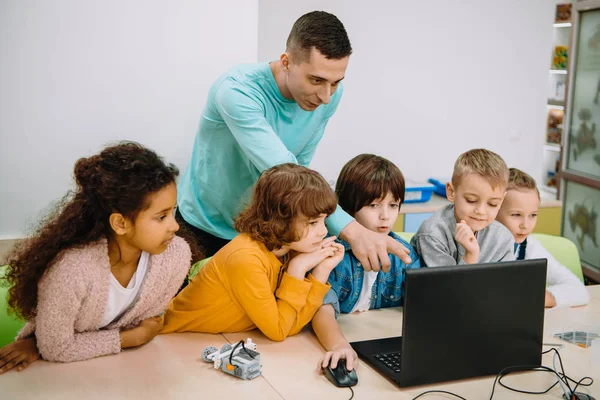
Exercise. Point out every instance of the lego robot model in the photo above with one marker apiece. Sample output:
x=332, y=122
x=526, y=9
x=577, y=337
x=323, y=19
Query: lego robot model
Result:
x=240, y=360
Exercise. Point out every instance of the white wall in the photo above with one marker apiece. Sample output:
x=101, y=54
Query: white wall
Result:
x=76, y=74
x=429, y=80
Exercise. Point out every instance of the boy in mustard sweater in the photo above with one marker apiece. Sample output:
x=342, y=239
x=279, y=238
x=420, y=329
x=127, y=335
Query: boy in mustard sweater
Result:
x=273, y=276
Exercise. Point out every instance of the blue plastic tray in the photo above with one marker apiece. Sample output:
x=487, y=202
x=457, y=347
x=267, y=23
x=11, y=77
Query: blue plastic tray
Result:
x=418, y=192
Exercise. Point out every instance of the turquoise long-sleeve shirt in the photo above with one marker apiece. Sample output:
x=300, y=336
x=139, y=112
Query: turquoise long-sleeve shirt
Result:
x=247, y=127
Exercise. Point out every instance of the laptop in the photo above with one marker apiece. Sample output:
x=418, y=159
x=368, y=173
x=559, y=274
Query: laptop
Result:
x=464, y=321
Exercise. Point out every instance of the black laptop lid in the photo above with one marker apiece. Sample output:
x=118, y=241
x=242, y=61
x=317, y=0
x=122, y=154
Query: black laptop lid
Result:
x=467, y=321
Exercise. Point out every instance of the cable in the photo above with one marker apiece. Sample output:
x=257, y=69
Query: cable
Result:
x=439, y=391
x=351, y=397
x=246, y=350
x=564, y=378
x=562, y=369
x=235, y=347
x=582, y=384
x=233, y=350
x=539, y=369
x=561, y=378
x=508, y=370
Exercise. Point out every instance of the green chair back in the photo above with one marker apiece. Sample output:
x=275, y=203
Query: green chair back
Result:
x=564, y=250
x=9, y=324
x=194, y=269
x=405, y=235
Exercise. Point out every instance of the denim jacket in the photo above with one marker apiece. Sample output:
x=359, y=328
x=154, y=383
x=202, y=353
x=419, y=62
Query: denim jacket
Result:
x=346, y=281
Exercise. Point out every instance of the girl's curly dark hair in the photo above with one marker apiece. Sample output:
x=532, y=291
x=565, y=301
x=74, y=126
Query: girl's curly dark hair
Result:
x=283, y=193
x=119, y=179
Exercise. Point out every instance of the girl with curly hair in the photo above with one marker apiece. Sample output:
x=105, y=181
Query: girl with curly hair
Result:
x=101, y=269
x=273, y=275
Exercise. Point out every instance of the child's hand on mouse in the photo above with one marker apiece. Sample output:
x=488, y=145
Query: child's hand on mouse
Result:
x=464, y=236
x=343, y=353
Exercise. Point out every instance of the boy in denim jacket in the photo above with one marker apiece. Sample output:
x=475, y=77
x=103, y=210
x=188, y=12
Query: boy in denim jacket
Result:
x=371, y=189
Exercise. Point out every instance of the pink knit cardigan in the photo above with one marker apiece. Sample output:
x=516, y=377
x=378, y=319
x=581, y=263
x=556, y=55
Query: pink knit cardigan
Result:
x=73, y=294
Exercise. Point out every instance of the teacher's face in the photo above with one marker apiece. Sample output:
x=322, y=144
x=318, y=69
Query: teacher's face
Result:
x=313, y=81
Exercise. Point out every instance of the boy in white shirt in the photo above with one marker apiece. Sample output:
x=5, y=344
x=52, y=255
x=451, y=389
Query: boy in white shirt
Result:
x=519, y=213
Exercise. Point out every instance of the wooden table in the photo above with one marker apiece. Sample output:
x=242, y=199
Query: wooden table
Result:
x=170, y=367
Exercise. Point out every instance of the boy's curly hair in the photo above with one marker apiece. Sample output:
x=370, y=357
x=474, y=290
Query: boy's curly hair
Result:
x=283, y=194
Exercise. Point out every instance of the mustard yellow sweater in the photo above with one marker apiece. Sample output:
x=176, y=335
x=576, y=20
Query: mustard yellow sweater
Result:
x=237, y=291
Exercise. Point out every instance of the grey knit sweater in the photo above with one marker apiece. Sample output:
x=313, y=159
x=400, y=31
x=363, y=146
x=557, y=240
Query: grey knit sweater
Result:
x=435, y=242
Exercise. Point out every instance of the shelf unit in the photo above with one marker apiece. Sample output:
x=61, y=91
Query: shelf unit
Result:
x=552, y=147
x=556, y=105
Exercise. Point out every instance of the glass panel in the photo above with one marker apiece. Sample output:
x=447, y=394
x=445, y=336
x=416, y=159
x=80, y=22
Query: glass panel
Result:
x=580, y=220
x=584, y=149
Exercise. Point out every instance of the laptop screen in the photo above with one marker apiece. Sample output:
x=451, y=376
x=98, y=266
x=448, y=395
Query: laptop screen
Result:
x=471, y=320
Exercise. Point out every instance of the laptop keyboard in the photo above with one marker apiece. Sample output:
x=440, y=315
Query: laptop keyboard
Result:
x=390, y=360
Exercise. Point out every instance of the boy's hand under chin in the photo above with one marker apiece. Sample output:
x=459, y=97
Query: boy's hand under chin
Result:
x=301, y=263
x=466, y=238
x=321, y=272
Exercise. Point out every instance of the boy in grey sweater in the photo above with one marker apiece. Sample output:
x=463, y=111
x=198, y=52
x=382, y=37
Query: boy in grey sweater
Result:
x=466, y=232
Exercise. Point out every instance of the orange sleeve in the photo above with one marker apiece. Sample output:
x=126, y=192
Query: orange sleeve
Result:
x=274, y=314
x=317, y=293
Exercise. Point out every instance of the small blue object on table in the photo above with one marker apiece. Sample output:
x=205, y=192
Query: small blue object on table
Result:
x=439, y=185
x=418, y=192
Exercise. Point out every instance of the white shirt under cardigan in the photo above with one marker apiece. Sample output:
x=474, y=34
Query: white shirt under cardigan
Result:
x=566, y=288
x=121, y=298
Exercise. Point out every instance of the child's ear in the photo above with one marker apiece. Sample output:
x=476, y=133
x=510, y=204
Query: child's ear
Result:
x=118, y=223
x=450, y=191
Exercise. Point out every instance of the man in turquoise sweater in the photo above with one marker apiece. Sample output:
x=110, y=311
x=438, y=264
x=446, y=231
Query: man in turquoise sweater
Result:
x=265, y=114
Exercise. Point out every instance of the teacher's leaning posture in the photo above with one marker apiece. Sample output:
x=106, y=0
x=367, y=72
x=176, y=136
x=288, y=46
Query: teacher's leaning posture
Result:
x=265, y=114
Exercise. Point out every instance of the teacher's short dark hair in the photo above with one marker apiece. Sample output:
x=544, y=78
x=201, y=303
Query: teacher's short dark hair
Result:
x=321, y=30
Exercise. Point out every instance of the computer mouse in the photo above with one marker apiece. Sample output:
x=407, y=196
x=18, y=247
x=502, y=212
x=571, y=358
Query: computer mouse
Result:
x=340, y=376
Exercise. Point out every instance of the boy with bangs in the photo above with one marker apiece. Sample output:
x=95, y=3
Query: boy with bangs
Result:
x=466, y=232
x=370, y=189
x=519, y=214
